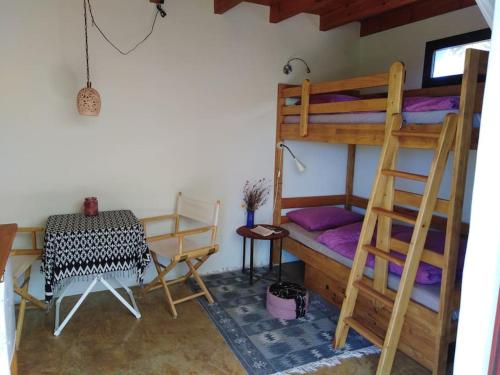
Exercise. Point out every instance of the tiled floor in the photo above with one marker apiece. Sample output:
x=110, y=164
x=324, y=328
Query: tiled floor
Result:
x=104, y=338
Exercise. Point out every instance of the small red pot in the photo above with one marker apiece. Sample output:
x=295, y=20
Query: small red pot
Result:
x=90, y=207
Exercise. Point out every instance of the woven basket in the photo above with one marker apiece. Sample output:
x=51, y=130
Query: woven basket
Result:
x=282, y=308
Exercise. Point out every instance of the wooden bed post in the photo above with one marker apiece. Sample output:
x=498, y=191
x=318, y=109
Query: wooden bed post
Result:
x=384, y=224
x=349, y=178
x=304, y=107
x=278, y=167
x=473, y=61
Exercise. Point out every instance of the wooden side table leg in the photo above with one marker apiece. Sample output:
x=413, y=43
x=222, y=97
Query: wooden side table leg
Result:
x=244, y=254
x=281, y=252
x=251, y=261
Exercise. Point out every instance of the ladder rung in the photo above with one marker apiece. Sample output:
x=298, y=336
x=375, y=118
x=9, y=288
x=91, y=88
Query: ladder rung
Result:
x=400, y=133
x=365, y=332
x=375, y=294
x=409, y=176
x=394, y=215
x=385, y=255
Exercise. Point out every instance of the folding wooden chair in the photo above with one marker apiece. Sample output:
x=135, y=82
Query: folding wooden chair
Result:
x=177, y=248
x=22, y=260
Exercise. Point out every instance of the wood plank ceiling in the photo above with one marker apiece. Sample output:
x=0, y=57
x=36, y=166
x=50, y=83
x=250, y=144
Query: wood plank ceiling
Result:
x=374, y=15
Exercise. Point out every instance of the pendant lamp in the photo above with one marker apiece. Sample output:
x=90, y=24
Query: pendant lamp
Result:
x=88, y=100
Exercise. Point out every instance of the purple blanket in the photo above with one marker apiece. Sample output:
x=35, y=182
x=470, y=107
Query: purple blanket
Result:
x=344, y=241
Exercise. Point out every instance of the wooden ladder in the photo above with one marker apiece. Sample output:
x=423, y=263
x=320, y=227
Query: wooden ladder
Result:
x=380, y=209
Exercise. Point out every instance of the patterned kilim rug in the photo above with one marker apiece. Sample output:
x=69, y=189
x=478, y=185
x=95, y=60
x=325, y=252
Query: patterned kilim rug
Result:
x=266, y=345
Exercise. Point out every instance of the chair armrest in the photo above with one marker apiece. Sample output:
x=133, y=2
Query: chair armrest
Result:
x=17, y=252
x=159, y=237
x=158, y=218
x=193, y=232
x=30, y=229
x=181, y=234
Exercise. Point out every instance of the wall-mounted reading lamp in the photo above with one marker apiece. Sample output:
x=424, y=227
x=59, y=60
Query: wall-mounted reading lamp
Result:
x=287, y=69
x=159, y=7
x=298, y=164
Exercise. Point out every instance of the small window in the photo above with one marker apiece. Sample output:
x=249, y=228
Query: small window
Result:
x=444, y=58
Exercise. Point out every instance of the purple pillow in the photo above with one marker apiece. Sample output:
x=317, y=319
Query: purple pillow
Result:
x=429, y=103
x=324, y=217
x=329, y=98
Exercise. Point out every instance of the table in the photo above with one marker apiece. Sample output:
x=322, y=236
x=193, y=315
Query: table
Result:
x=95, y=249
x=246, y=232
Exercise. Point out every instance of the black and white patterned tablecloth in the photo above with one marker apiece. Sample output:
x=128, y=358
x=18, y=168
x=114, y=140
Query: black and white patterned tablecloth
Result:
x=111, y=244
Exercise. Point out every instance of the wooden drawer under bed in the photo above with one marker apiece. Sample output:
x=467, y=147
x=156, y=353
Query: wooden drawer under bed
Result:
x=418, y=337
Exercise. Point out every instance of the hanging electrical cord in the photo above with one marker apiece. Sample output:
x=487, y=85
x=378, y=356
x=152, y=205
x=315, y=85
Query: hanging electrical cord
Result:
x=159, y=10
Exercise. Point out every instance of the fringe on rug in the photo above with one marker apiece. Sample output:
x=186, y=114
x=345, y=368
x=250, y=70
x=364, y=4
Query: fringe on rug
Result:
x=330, y=362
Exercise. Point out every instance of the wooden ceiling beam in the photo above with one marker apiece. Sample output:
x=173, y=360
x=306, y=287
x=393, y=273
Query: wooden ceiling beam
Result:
x=222, y=6
x=358, y=10
x=412, y=13
x=283, y=9
x=260, y=2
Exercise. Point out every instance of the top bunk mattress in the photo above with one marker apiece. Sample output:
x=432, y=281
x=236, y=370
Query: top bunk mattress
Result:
x=428, y=117
x=427, y=295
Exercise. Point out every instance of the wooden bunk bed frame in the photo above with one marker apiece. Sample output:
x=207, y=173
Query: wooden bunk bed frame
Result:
x=426, y=334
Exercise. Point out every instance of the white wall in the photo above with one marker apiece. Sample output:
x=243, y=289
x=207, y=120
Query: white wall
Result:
x=193, y=109
x=407, y=44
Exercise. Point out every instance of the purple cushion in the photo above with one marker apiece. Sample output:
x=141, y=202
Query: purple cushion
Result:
x=344, y=241
x=429, y=103
x=428, y=274
x=329, y=98
x=324, y=217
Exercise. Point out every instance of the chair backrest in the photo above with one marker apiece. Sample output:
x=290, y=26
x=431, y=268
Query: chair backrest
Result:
x=205, y=212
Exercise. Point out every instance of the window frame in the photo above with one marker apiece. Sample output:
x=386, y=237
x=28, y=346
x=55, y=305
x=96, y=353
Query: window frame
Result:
x=432, y=46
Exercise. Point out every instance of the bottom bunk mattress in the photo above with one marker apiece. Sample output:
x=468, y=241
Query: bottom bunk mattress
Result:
x=425, y=294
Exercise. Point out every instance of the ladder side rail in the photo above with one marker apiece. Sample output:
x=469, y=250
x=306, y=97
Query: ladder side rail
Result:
x=388, y=150
x=417, y=243
x=384, y=224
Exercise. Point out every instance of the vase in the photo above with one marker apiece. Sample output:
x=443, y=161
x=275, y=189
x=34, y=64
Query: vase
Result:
x=90, y=207
x=250, y=218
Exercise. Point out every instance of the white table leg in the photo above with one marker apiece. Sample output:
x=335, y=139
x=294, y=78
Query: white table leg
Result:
x=58, y=302
x=130, y=294
x=58, y=328
x=134, y=310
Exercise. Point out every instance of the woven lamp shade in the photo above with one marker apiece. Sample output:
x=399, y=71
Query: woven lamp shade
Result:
x=88, y=101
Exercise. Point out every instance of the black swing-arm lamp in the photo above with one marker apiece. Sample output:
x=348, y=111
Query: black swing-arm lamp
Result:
x=298, y=164
x=159, y=7
x=287, y=68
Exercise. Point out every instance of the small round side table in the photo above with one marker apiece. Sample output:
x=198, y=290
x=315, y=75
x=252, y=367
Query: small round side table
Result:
x=246, y=232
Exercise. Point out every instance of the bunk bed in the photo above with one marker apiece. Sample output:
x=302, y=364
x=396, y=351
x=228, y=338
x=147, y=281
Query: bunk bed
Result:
x=431, y=319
